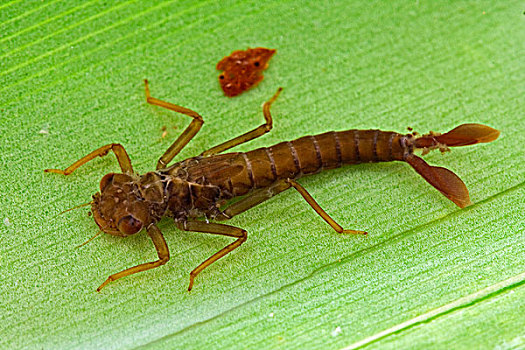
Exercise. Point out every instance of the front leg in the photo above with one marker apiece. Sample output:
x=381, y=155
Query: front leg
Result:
x=120, y=153
x=162, y=251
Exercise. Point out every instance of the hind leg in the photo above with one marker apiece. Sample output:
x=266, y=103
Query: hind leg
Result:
x=250, y=135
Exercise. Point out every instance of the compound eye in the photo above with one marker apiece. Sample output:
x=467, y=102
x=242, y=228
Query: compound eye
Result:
x=129, y=225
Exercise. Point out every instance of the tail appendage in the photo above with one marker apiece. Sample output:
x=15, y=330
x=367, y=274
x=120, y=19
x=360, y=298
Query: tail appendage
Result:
x=463, y=135
x=444, y=180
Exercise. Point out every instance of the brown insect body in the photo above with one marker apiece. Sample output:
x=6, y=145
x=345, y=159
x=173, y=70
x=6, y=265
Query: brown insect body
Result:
x=237, y=174
x=202, y=186
x=199, y=186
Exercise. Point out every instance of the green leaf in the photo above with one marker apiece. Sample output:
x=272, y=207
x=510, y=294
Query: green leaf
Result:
x=427, y=275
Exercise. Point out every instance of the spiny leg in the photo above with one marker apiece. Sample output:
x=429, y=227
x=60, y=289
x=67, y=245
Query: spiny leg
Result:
x=250, y=135
x=186, y=135
x=120, y=153
x=315, y=206
x=217, y=229
x=261, y=195
x=162, y=251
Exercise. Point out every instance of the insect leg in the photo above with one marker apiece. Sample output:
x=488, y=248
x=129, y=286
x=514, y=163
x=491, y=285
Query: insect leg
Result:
x=186, y=135
x=216, y=229
x=120, y=153
x=162, y=251
x=253, y=199
x=250, y=135
x=320, y=210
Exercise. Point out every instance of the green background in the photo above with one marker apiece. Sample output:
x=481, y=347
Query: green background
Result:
x=428, y=274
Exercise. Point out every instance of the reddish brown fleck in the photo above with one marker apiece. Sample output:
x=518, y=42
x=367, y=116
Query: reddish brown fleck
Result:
x=243, y=69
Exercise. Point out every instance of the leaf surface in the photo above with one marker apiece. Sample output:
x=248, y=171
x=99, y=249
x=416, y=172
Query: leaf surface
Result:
x=428, y=273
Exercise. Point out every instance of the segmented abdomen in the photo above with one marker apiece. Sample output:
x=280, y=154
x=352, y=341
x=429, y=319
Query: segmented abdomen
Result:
x=312, y=154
